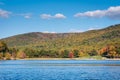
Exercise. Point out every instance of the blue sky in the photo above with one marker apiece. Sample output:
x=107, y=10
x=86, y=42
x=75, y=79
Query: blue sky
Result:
x=56, y=16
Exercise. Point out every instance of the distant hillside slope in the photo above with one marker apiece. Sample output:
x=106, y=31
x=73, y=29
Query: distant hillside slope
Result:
x=86, y=40
x=30, y=38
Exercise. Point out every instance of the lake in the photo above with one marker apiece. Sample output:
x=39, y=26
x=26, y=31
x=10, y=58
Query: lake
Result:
x=60, y=70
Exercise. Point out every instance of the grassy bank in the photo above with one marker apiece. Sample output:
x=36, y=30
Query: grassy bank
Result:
x=81, y=58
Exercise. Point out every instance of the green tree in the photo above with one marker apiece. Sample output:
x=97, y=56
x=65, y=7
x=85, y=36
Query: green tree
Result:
x=93, y=53
x=64, y=53
x=30, y=52
x=13, y=51
x=76, y=53
x=3, y=47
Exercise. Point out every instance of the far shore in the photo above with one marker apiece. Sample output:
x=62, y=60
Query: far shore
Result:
x=68, y=59
x=81, y=58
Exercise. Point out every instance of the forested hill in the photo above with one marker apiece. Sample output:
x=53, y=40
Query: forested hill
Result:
x=64, y=39
x=86, y=42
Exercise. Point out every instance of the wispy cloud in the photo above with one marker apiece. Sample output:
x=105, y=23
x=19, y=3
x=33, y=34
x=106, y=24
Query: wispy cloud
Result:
x=111, y=12
x=4, y=13
x=93, y=28
x=48, y=32
x=25, y=15
x=72, y=30
x=76, y=30
x=45, y=16
x=56, y=16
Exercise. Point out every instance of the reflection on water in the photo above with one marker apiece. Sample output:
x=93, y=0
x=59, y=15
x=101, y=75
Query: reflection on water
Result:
x=60, y=70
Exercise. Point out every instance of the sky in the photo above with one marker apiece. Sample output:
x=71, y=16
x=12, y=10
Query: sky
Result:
x=56, y=16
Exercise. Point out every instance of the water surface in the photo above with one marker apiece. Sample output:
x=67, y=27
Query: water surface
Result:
x=60, y=70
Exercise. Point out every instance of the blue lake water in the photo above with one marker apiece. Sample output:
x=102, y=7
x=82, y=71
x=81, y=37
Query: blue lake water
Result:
x=59, y=70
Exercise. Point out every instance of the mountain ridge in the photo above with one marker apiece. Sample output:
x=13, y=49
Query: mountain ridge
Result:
x=34, y=38
x=103, y=42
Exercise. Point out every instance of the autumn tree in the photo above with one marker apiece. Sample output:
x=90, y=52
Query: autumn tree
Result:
x=7, y=56
x=21, y=55
x=104, y=51
x=1, y=55
x=81, y=53
x=111, y=51
x=71, y=55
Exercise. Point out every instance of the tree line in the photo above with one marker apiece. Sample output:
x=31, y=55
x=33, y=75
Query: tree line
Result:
x=108, y=51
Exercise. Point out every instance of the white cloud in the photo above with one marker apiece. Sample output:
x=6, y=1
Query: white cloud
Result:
x=97, y=13
x=4, y=13
x=45, y=16
x=48, y=32
x=59, y=16
x=111, y=12
x=48, y=16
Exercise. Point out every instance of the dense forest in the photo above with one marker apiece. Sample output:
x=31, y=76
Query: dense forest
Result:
x=103, y=42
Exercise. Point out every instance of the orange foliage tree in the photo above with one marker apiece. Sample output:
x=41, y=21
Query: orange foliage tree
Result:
x=71, y=55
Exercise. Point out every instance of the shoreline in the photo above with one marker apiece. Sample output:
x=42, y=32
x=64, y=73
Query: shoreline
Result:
x=67, y=59
x=81, y=58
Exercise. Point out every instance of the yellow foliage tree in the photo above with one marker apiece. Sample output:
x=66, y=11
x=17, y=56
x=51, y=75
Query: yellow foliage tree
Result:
x=81, y=54
x=21, y=55
x=1, y=55
x=112, y=51
x=7, y=56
